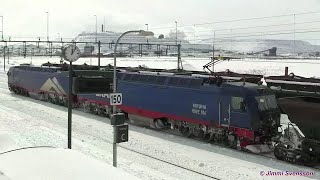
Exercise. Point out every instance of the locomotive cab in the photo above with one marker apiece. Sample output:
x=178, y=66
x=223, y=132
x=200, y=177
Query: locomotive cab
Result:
x=267, y=114
x=250, y=112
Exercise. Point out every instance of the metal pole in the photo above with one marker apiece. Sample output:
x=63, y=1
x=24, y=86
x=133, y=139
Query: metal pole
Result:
x=194, y=40
x=176, y=32
x=70, y=107
x=214, y=41
x=2, y=27
x=213, y=58
x=114, y=91
x=104, y=23
x=8, y=54
x=294, y=34
x=230, y=39
x=99, y=44
x=179, y=56
x=47, y=26
x=96, y=27
x=4, y=58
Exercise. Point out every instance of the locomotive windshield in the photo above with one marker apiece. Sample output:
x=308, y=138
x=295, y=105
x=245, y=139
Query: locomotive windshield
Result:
x=267, y=102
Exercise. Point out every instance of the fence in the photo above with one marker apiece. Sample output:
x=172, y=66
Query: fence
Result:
x=88, y=49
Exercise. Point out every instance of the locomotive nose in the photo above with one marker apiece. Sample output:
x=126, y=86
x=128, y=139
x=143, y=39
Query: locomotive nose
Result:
x=269, y=122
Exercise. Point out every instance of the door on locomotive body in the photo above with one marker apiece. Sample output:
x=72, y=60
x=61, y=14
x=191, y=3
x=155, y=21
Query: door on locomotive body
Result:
x=239, y=112
x=224, y=111
x=233, y=112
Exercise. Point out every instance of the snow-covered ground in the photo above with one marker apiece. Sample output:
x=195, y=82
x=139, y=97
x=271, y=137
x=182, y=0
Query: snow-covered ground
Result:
x=308, y=68
x=35, y=123
x=56, y=163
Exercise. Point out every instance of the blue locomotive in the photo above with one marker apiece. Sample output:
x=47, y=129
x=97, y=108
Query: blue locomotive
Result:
x=236, y=113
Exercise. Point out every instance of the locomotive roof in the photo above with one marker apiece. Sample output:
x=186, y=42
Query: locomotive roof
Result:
x=244, y=84
x=37, y=68
x=175, y=76
x=161, y=74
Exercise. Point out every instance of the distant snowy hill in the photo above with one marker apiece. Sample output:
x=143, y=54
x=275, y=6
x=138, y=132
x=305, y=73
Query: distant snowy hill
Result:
x=255, y=45
x=204, y=49
x=241, y=46
x=111, y=37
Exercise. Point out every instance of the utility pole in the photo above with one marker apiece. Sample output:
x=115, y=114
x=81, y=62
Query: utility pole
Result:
x=2, y=27
x=176, y=32
x=294, y=34
x=47, y=26
x=214, y=41
x=147, y=27
x=194, y=40
x=104, y=23
x=230, y=39
x=96, y=27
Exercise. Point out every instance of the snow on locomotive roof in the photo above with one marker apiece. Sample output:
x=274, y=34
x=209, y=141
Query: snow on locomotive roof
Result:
x=55, y=163
x=224, y=77
x=246, y=84
x=160, y=73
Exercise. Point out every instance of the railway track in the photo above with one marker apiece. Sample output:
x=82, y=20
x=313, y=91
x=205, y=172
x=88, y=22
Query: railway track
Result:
x=220, y=145
x=217, y=144
x=152, y=157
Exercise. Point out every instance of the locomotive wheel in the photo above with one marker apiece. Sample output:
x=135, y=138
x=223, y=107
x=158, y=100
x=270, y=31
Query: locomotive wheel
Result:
x=25, y=93
x=41, y=96
x=185, y=131
x=279, y=151
x=84, y=106
x=238, y=144
x=199, y=133
x=65, y=103
x=159, y=124
x=208, y=137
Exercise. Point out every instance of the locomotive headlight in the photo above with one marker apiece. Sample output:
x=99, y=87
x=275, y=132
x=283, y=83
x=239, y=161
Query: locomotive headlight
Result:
x=310, y=149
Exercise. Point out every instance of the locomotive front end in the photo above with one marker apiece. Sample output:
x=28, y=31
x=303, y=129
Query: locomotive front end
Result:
x=267, y=119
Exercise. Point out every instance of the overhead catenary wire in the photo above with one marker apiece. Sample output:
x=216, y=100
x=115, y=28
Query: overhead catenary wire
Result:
x=192, y=37
x=239, y=20
x=193, y=32
x=240, y=35
x=252, y=27
x=255, y=35
x=264, y=32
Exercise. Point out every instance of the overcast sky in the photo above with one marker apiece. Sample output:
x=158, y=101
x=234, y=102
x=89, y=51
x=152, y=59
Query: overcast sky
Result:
x=28, y=18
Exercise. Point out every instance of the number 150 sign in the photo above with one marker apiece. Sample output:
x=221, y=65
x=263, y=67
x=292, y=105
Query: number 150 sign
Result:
x=115, y=99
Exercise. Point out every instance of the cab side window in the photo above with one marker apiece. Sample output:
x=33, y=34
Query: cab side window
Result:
x=237, y=104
